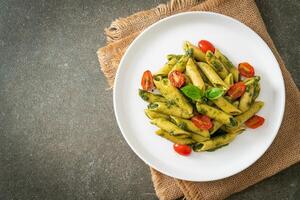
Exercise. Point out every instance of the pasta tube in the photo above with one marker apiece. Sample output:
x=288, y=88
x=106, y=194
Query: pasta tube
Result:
x=216, y=142
x=167, y=67
x=180, y=65
x=212, y=76
x=152, y=114
x=216, y=114
x=256, y=106
x=229, y=79
x=193, y=73
x=150, y=97
x=216, y=126
x=246, y=99
x=199, y=138
x=227, y=107
x=174, y=139
x=228, y=64
x=196, y=52
x=168, y=126
x=169, y=108
x=172, y=94
x=171, y=56
x=189, y=125
x=213, y=61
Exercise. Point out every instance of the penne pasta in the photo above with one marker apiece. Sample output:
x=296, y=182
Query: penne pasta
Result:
x=196, y=52
x=216, y=114
x=168, y=108
x=150, y=97
x=193, y=73
x=189, y=126
x=216, y=126
x=216, y=142
x=246, y=98
x=229, y=79
x=167, y=67
x=212, y=76
x=153, y=114
x=216, y=64
x=169, y=127
x=180, y=65
x=227, y=107
x=174, y=139
x=173, y=95
x=228, y=64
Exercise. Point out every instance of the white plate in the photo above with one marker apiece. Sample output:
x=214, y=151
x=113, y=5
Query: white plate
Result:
x=148, y=51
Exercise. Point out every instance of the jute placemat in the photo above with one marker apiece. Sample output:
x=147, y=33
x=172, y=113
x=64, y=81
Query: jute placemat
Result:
x=285, y=149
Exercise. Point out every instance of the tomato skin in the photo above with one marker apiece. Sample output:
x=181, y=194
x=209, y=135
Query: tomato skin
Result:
x=183, y=150
x=147, y=80
x=177, y=78
x=205, y=45
x=255, y=121
x=246, y=70
x=236, y=90
x=202, y=121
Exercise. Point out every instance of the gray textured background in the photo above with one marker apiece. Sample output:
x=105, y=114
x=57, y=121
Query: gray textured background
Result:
x=58, y=135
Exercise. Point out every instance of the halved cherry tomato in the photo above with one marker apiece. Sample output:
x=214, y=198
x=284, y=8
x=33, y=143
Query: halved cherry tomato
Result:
x=236, y=90
x=147, y=81
x=184, y=150
x=202, y=122
x=255, y=121
x=205, y=45
x=177, y=78
x=246, y=70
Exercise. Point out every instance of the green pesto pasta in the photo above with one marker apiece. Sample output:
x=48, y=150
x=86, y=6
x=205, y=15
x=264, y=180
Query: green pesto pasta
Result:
x=169, y=108
x=173, y=94
x=216, y=142
x=227, y=107
x=180, y=65
x=193, y=73
x=199, y=138
x=168, y=126
x=153, y=114
x=229, y=79
x=212, y=76
x=174, y=139
x=216, y=126
x=167, y=67
x=150, y=97
x=216, y=64
x=196, y=52
x=246, y=99
x=216, y=114
x=196, y=99
x=189, y=126
x=228, y=64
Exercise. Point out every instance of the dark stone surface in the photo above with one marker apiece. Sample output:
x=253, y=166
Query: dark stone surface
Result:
x=58, y=135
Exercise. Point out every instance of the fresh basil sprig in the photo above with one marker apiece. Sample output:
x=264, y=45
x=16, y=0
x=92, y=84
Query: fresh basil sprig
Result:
x=214, y=93
x=192, y=92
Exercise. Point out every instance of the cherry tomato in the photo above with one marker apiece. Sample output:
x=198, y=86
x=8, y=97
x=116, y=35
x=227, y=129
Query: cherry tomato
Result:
x=202, y=122
x=246, y=70
x=255, y=121
x=184, y=150
x=147, y=81
x=236, y=90
x=205, y=45
x=177, y=78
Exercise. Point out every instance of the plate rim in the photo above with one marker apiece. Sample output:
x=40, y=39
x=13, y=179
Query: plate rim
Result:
x=282, y=108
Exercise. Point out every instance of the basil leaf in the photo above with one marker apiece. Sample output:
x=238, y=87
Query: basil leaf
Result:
x=214, y=93
x=192, y=92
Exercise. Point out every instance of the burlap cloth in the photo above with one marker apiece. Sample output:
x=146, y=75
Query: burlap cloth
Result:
x=285, y=149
